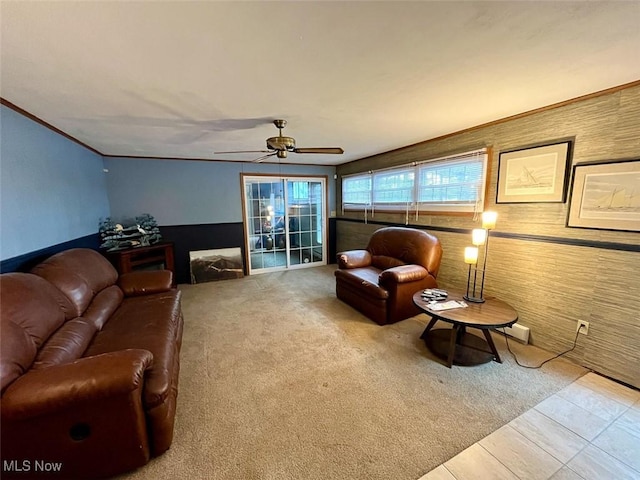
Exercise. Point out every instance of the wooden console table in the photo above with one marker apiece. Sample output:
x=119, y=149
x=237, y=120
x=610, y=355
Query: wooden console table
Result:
x=136, y=258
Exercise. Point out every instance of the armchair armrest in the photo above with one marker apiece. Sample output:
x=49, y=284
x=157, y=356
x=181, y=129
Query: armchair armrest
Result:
x=145, y=282
x=354, y=259
x=403, y=274
x=42, y=392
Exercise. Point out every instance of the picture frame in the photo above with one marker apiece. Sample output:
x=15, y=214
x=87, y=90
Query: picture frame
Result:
x=606, y=195
x=214, y=265
x=534, y=174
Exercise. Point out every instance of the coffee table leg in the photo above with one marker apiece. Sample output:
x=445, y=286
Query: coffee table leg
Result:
x=487, y=335
x=429, y=327
x=452, y=344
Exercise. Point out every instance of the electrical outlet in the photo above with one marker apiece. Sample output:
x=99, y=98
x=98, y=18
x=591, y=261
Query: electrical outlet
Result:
x=582, y=327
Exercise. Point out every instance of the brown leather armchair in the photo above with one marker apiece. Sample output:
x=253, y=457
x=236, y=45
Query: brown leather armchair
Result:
x=380, y=281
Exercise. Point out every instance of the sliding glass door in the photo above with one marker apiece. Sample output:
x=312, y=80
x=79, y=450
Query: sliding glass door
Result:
x=284, y=222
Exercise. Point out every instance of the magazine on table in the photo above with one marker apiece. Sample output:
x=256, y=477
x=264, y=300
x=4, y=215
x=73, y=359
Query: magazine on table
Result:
x=448, y=305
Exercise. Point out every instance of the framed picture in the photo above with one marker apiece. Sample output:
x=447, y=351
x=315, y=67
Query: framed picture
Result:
x=606, y=195
x=213, y=265
x=534, y=174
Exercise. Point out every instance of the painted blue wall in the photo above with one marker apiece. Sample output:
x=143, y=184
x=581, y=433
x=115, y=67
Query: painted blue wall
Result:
x=186, y=192
x=52, y=190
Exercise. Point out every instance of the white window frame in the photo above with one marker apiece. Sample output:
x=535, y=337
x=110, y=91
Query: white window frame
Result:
x=364, y=200
x=410, y=202
x=390, y=182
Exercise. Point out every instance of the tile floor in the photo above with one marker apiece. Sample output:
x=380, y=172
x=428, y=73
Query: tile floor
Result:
x=590, y=430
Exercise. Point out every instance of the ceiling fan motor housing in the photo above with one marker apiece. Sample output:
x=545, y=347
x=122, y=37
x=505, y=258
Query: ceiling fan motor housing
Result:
x=281, y=143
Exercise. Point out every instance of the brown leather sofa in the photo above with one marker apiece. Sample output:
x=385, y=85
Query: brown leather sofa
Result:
x=89, y=367
x=380, y=281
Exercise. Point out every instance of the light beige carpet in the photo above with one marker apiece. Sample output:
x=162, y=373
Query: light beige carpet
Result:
x=281, y=380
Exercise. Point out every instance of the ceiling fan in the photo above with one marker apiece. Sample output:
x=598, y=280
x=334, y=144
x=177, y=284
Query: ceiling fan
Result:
x=280, y=146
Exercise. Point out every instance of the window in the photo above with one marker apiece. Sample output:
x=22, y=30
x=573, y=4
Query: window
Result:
x=356, y=190
x=450, y=184
x=393, y=186
x=299, y=191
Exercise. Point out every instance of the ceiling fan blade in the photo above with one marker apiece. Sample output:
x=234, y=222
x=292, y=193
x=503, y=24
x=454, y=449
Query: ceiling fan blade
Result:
x=333, y=150
x=263, y=158
x=243, y=151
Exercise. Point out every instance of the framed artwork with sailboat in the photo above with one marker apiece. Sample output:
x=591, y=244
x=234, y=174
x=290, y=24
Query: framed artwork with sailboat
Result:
x=534, y=174
x=606, y=195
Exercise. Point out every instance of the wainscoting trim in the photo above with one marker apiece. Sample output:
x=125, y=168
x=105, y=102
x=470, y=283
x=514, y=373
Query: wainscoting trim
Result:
x=25, y=262
x=576, y=242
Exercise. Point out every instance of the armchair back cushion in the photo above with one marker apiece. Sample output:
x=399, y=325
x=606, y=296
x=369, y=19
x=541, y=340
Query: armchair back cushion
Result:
x=395, y=246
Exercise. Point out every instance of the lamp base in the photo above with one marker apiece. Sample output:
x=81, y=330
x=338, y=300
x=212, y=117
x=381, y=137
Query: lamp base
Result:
x=473, y=299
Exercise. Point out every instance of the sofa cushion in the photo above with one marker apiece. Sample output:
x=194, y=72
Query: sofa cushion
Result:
x=67, y=344
x=366, y=279
x=30, y=314
x=18, y=352
x=103, y=305
x=79, y=273
x=143, y=282
x=153, y=323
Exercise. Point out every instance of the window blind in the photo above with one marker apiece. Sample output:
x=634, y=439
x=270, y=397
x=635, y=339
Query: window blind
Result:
x=454, y=183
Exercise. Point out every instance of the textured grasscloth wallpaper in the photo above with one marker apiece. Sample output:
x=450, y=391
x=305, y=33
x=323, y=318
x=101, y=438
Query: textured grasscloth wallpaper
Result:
x=553, y=275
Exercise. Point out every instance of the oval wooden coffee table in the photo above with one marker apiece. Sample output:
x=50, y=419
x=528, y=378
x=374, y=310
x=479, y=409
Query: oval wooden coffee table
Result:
x=457, y=346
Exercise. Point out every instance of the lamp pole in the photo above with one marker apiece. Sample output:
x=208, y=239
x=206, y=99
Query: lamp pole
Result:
x=484, y=265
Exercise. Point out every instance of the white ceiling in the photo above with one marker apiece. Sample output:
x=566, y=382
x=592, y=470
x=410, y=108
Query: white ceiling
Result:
x=185, y=79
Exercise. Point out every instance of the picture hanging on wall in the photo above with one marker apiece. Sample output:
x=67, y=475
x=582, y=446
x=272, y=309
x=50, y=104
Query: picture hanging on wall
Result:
x=534, y=174
x=606, y=195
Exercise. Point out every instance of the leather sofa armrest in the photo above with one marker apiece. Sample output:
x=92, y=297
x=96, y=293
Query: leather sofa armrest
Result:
x=354, y=259
x=403, y=274
x=46, y=391
x=145, y=282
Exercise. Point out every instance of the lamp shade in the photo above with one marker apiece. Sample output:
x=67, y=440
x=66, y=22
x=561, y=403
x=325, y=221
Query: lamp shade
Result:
x=489, y=220
x=471, y=255
x=478, y=236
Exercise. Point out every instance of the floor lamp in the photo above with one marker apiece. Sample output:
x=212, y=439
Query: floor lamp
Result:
x=479, y=236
